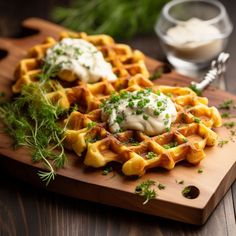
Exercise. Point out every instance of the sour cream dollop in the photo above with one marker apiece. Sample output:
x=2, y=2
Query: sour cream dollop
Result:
x=80, y=57
x=151, y=113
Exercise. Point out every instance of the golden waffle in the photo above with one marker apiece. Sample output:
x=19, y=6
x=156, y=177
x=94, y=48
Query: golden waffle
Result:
x=185, y=141
x=89, y=137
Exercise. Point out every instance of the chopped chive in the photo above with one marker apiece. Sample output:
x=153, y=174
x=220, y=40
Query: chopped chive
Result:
x=91, y=124
x=145, y=117
x=161, y=186
x=200, y=171
x=107, y=170
x=150, y=155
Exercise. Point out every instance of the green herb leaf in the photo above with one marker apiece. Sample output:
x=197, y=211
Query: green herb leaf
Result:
x=226, y=104
x=161, y=186
x=150, y=155
x=107, y=170
x=144, y=189
x=194, y=88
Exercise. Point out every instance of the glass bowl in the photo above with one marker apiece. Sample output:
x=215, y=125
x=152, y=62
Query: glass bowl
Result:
x=193, y=32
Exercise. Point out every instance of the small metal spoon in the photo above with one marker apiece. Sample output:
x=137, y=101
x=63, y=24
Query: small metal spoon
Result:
x=218, y=68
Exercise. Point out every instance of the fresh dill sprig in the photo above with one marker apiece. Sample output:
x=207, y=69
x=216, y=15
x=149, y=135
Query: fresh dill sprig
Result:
x=144, y=189
x=94, y=16
x=31, y=120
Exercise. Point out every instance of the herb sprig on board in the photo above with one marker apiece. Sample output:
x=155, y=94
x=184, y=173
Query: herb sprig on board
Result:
x=144, y=189
x=31, y=120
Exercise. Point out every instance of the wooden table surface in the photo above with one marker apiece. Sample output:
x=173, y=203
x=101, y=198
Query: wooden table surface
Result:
x=25, y=210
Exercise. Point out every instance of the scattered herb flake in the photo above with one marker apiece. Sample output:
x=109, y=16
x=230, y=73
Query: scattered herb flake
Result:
x=157, y=74
x=199, y=171
x=150, y=155
x=229, y=125
x=107, y=170
x=186, y=191
x=91, y=124
x=161, y=186
x=197, y=120
x=225, y=115
x=194, y=88
x=221, y=143
x=226, y=104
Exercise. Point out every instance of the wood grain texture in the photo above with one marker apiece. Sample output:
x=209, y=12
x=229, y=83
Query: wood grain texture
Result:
x=229, y=220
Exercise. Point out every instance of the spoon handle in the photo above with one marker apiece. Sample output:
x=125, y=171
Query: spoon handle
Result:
x=218, y=68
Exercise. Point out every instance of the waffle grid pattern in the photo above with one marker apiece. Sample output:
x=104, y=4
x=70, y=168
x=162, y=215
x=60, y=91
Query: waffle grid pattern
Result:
x=89, y=137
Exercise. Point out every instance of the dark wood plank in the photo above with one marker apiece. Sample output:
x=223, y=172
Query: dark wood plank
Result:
x=32, y=211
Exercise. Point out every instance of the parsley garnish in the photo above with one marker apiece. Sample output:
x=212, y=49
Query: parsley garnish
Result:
x=91, y=124
x=179, y=182
x=225, y=115
x=186, y=191
x=144, y=189
x=107, y=170
x=150, y=155
x=229, y=125
x=196, y=120
x=226, y=104
x=194, y=88
x=157, y=74
x=161, y=186
x=200, y=171
x=221, y=143
x=170, y=145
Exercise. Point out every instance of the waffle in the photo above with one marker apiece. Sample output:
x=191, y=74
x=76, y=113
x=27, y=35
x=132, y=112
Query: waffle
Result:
x=89, y=137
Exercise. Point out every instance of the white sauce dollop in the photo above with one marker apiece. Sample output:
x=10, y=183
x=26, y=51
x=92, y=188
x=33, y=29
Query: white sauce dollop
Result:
x=151, y=113
x=80, y=57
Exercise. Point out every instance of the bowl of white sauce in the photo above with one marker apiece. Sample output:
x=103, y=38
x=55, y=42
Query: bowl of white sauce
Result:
x=193, y=32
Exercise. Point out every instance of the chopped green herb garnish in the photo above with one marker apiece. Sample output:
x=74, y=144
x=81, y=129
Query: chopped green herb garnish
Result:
x=200, y=171
x=119, y=119
x=170, y=145
x=179, y=182
x=150, y=155
x=229, y=125
x=196, y=120
x=159, y=103
x=221, y=143
x=185, y=140
x=161, y=186
x=194, y=88
x=186, y=191
x=131, y=104
x=226, y=104
x=225, y=115
x=156, y=113
x=139, y=111
x=107, y=170
x=157, y=74
x=145, y=117
x=144, y=189
x=91, y=124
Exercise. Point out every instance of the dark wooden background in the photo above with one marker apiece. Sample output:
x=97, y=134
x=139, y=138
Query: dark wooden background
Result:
x=26, y=210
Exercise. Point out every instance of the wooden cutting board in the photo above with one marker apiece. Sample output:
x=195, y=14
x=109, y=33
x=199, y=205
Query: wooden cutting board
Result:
x=219, y=166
